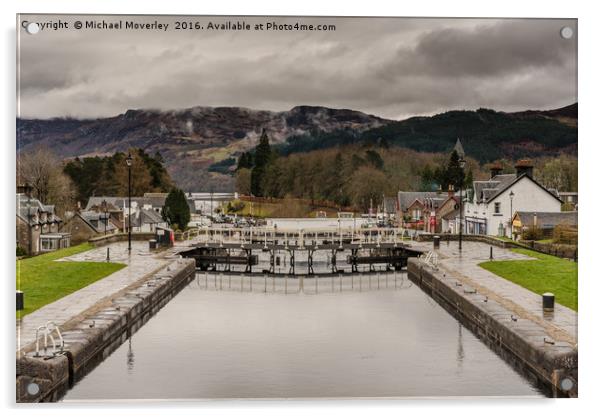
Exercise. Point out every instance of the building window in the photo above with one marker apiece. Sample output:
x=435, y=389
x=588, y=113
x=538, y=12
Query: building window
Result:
x=497, y=208
x=48, y=244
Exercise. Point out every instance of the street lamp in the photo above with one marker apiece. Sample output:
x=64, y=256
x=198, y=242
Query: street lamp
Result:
x=511, y=212
x=104, y=209
x=462, y=163
x=128, y=161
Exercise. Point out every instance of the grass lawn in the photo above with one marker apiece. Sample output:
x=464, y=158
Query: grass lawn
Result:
x=43, y=280
x=545, y=274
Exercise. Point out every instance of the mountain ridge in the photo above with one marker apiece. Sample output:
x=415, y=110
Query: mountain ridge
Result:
x=191, y=140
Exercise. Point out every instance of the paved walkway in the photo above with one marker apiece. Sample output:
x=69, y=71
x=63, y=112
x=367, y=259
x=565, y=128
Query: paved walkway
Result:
x=140, y=263
x=562, y=322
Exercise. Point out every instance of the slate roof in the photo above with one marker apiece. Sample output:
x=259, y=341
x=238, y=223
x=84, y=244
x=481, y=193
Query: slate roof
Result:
x=406, y=198
x=97, y=221
x=29, y=206
x=146, y=216
x=154, y=200
x=548, y=220
x=487, y=191
x=390, y=205
x=434, y=202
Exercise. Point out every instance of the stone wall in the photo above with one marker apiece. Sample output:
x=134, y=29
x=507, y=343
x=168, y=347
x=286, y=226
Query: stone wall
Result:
x=521, y=343
x=561, y=251
x=97, y=335
x=428, y=237
x=120, y=237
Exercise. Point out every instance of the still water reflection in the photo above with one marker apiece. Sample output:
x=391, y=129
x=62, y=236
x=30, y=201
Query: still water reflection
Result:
x=390, y=340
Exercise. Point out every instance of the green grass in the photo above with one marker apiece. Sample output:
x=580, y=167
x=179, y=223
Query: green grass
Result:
x=546, y=273
x=43, y=280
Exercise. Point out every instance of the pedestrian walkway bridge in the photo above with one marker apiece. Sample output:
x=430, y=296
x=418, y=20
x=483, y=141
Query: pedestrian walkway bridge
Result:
x=227, y=247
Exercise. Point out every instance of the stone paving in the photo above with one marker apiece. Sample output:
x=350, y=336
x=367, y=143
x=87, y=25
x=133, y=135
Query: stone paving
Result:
x=139, y=264
x=527, y=304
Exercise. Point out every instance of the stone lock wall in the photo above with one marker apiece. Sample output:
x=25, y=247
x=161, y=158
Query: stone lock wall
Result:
x=94, y=338
x=520, y=343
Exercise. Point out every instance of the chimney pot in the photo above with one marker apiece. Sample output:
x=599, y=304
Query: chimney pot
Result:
x=496, y=169
x=524, y=166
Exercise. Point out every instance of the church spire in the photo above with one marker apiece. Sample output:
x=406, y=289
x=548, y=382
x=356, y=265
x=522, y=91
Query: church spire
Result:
x=459, y=148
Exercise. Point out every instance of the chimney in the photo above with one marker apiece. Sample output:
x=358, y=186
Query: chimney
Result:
x=524, y=166
x=25, y=189
x=450, y=190
x=496, y=169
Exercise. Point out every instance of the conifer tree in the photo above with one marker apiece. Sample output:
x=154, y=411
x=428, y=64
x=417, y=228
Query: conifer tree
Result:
x=263, y=155
x=176, y=210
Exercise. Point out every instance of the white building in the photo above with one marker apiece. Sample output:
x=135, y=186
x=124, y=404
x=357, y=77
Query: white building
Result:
x=489, y=207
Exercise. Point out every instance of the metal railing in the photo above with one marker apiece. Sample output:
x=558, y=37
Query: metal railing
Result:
x=48, y=329
x=301, y=237
x=431, y=258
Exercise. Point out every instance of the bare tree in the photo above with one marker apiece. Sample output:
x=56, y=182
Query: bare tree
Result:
x=243, y=181
x=43, y=171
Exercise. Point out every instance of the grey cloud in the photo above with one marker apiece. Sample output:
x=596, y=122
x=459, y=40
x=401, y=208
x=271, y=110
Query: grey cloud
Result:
x=390, y=67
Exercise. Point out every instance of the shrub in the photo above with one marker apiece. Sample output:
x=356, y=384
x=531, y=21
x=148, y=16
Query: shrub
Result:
x=532, y=233
x=21, y=251
x=235, y=206
x=565, y=234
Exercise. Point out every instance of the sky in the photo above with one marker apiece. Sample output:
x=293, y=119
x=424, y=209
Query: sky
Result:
x=390, y=67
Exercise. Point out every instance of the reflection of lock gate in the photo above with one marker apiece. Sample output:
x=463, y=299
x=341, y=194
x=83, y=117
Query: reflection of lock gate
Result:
x=49, y=328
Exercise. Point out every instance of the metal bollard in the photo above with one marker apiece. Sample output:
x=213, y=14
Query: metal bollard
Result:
x=20, y=300
x=491, y=253
x=436, y=242
x=548, y=301
x=108, y=254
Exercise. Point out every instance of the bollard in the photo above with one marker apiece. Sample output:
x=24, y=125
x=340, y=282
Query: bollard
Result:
x=548, y=301
x=20, y=301
x=108, y=254
x=436, y=242
x=491, y=252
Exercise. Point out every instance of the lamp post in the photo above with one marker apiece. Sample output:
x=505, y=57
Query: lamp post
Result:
x=104, y=209
x=128, y=161
x=511, y=212
x=462, y=163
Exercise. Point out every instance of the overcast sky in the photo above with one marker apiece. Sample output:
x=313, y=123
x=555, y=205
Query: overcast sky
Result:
x=392, y=68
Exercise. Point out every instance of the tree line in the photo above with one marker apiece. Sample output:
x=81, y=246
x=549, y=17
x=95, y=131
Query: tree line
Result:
x=361, y=174
x=65, y=184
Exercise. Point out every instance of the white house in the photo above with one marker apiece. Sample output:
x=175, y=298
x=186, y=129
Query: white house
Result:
x=490, y=205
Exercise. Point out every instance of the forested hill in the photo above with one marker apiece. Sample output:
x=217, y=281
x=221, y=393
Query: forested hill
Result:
x=486, y=134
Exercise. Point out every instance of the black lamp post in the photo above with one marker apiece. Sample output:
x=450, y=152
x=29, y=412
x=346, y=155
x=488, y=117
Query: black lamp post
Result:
x=128, y=161
x=104, y=209
x=462, y=163
x=511, y=212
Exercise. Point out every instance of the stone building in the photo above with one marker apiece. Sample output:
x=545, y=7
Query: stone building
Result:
x=88, y=224
x=38, y=226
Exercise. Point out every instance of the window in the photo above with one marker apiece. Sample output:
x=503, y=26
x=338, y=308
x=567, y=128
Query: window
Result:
x=417, y=214
x=49, y=244
x=497, y=208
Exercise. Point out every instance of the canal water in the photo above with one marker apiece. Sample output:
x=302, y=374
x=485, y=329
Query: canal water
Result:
x=229, y=337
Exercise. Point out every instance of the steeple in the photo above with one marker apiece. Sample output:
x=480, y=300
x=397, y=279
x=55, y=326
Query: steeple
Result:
x=459, y=149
